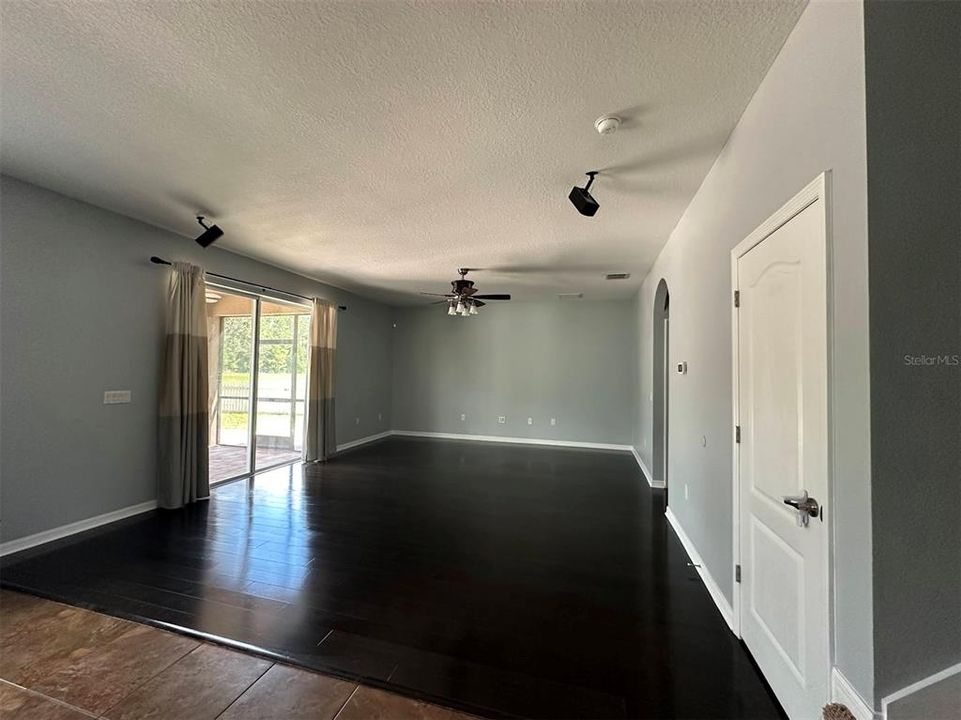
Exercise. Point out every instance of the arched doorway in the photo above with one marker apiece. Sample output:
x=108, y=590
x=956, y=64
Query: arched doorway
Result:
x=662, y=374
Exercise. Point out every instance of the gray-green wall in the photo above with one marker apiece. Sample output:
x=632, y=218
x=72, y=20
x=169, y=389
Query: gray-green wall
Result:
x=913, y=62
x=806, y=117
x=81, y=311
x=570, y=360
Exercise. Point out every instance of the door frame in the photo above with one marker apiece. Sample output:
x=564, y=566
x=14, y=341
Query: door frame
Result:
x=665, y=394
x=661, y=381
x=817, y=189
x=232, y=288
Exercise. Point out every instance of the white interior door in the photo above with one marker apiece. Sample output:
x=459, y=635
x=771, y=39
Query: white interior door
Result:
x=782, y=412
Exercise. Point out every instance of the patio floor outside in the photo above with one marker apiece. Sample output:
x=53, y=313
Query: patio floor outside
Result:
x=228, y=461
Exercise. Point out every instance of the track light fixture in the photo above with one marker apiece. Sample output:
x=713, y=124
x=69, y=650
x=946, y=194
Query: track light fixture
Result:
x=582, y=199
x=210, y=233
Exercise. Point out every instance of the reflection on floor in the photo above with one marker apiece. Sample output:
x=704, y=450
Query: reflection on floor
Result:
x=62, y=662
x=228, y=461
x=504, y=580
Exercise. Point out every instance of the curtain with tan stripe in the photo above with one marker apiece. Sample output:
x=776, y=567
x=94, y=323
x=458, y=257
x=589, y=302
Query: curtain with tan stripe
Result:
x=321, y=440
x=183, y=396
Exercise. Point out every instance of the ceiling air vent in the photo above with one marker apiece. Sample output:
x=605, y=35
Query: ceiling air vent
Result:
x=570, y=296
x=618, y=276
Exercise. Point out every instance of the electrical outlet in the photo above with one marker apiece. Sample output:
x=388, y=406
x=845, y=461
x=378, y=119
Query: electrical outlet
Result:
x=685, y=491
x=116, y=397
x=463, y=417
x=553, y=421
x=501, y=419
x=530, y=421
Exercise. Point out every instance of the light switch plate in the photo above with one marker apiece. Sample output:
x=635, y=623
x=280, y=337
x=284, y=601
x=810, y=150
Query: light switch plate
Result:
x=116, y=397
x=501, y=419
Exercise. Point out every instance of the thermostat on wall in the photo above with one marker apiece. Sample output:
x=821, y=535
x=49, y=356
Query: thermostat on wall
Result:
x=682, y=368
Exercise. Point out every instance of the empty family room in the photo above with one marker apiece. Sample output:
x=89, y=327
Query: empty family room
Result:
x=453, y=359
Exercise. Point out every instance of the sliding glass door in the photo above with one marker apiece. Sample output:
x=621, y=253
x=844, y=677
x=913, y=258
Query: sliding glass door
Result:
x=257, y=359
x=281, y=382
x=230, y=342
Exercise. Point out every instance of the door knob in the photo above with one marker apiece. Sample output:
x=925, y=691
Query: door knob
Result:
x=807, y=507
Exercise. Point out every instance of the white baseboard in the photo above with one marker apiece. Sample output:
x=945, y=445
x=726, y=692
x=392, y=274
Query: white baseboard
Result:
x=646, y=470
x=918, y=687
x=722, y=604
x=514, y=440
x=363, y=440
x=842, y=691
x=13, y=546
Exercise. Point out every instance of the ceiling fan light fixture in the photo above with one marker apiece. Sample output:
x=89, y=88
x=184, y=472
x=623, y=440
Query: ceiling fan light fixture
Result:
x=464, y=300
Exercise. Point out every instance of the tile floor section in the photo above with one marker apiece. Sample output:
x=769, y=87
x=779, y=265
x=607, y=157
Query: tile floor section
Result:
x=59, y=662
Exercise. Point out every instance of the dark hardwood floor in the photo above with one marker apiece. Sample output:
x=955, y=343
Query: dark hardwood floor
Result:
x=506, y=580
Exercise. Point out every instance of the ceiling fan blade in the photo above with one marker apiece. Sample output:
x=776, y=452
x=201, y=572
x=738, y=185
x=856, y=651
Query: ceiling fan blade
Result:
x=439, y=294
x=492, y=297
x=478, y=303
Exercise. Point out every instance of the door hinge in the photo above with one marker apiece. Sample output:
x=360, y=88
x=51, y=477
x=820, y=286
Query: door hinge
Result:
x=737, y=573
x=737, y=298
x=737, y=433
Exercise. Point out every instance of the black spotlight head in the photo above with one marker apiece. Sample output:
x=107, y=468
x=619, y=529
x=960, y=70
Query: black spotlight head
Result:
x=209, y=235
x=582, y=198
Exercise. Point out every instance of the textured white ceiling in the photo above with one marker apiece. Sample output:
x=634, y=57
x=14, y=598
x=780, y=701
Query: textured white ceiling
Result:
x=381, y=145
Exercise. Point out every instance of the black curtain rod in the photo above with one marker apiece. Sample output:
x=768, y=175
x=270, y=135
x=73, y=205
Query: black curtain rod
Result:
x=160, y=261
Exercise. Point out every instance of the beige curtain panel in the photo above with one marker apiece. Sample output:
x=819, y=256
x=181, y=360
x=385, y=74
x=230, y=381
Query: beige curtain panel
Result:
x=321, y=440
x=183, y=396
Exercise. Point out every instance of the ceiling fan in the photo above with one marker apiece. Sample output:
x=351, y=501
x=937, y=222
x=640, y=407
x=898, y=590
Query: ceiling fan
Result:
x=463, y=299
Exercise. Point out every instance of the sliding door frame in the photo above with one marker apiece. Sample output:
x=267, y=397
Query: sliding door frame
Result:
x=254, y=384
x=254, y=389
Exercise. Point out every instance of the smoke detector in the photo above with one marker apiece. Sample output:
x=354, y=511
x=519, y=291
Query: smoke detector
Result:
x=607, y=124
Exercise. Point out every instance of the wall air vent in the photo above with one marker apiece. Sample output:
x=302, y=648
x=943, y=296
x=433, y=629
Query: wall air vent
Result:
x=617, y=276
x=570, y=296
